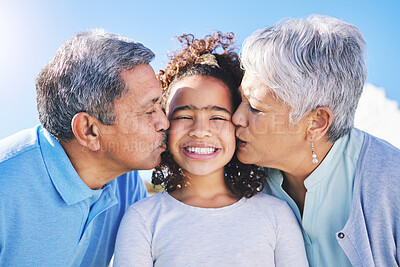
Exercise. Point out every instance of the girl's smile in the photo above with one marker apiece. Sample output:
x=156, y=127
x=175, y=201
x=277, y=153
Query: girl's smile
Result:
x=202, y=151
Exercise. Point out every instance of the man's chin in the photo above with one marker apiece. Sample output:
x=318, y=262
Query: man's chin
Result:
x=150, y=164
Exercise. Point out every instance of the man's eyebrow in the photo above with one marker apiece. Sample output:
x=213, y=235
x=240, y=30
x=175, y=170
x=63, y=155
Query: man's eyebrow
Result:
x=155, y=100
x=193, y=107
x=151, y=102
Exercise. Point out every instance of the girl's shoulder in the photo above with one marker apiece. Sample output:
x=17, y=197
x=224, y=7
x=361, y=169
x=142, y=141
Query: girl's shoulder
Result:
x=148, y=204
x=270, y=205
x=157, y=198
x=262, y=198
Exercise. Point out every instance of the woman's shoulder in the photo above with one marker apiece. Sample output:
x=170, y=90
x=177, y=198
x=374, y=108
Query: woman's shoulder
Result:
x=379, y=162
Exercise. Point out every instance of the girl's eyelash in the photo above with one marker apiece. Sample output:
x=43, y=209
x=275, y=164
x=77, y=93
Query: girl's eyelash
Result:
x=189, y=118
x=182, y=118
x=219, y=118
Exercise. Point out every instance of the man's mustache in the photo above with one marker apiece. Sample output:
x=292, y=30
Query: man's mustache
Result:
x=164, y=140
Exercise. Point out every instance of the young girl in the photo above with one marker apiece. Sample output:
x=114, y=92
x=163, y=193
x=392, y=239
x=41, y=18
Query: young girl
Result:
x=209, y=214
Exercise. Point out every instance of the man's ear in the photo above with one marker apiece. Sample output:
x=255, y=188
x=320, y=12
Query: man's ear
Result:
x=86, y=130
x=320, y=121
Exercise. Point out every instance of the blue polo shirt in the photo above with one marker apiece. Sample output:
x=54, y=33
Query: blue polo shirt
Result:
x=48, y=215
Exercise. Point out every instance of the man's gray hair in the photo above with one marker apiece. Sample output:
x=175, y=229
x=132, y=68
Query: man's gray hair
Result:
x=84, y=76
x=310, y=63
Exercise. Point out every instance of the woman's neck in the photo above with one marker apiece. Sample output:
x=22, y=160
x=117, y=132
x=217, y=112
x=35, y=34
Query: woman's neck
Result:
x=205, y=191
x=293, y=179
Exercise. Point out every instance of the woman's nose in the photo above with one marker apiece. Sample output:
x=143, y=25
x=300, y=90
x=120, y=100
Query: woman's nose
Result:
x=239, y=117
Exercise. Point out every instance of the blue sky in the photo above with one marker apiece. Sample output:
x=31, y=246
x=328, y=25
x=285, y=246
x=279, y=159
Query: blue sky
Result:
x=32, y=31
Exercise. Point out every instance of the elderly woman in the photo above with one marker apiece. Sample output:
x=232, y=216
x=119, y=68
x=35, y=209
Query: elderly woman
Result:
x=303, y=79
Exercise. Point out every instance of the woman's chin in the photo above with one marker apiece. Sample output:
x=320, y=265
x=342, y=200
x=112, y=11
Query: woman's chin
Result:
x=244, y=158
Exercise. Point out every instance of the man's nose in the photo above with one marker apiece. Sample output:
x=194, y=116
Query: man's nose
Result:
x=162, y=123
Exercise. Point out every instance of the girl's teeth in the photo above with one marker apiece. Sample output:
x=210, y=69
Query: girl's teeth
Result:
x=201, y=150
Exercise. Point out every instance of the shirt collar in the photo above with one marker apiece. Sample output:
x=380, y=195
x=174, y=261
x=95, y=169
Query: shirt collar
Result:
x=63, y=175
x=328, y=163
x=324, y=168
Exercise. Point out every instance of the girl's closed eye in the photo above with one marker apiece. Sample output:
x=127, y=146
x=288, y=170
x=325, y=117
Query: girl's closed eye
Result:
x=182, y=117
x=219, y=118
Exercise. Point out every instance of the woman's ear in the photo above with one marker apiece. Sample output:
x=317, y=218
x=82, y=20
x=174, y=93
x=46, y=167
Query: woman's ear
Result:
x=320, y=121
x=86, y=130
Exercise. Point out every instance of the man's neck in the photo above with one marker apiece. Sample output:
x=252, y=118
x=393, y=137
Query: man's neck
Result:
x=89, y=166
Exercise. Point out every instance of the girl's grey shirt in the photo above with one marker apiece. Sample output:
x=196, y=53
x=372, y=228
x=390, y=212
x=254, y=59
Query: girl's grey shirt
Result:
x=162, y=231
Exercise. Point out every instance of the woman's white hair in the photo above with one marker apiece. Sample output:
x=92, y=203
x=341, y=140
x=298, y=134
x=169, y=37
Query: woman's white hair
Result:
x=309, y=63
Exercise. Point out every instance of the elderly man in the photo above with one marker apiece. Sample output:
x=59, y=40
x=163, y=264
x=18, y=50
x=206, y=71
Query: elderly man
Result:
x=303, y=79
x=66, y=184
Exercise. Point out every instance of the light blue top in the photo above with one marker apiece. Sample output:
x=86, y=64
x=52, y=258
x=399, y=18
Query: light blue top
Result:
x=328, y=200
x=48, y=215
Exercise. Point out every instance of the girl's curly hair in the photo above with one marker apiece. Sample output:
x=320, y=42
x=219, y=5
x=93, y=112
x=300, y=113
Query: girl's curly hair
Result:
x=242, y=179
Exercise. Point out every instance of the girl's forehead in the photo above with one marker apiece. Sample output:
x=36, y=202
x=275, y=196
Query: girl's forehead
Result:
x=200, y=92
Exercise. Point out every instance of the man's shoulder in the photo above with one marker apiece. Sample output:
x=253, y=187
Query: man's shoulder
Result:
x=131, y=183
x=19, y=143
